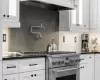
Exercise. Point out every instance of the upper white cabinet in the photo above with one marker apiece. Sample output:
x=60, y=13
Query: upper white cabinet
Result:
x=76, y=20
x=94, y=13
x=80, y=16
x=10, y=13
x=1, y=38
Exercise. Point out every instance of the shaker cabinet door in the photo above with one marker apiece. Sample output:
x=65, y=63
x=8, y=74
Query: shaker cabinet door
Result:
x=11, y=77
x=13, y=10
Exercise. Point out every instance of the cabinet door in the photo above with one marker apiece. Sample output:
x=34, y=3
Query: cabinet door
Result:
x=25, y=76
x=0, y=70
x=11, y=77
x=3, y=9
x=93, y=13
x=80, y=16
x=97, y=67
x=35, y=75
x=13, y=10
x=64, y=20
x=39, y=75
x=83, y=72
x=98, y=15
x=1, y=42
x=85, y=13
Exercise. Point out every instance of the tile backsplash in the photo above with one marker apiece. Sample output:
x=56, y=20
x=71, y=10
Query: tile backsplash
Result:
x=21, y=39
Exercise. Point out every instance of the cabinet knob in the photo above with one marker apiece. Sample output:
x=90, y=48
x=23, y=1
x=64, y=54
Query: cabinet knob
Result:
x=84, y=25
x=89, y=57
x=7, y=15
x=34, y=74
x=78, y=24
x=4, y=15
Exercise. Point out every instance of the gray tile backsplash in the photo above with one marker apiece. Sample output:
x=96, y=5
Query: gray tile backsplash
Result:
x=21, y=39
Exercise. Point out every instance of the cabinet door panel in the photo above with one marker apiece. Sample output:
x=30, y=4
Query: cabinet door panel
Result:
x=85, y=11
x=25, y=76
x=0, y=70
x=83, y=72
x=11, y=77
x=97, y=67
x=93, y=13
x=13, y=10
x=98, y=15
x=3, y=9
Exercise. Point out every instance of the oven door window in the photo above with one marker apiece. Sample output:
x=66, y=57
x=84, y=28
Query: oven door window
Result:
x=68, y=77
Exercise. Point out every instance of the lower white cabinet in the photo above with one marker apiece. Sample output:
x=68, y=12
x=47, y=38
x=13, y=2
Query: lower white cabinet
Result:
x=35, y=75
x=0, y=70
x=23, y=69
x=11, y=77
x=87, y=67
x=83, y=72
x=97, y=67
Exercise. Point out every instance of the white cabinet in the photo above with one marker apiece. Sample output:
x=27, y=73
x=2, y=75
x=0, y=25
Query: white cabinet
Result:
x=35, y=75
x=31, y=64
x=97, y=67
x=83, y=72
x=88, y=67
x=1, y=38
x=11, y=77
x=10, y=13
x=80, y=16
x=94, y=14
x=76, y=20
x=0, y=70
x=10, y=67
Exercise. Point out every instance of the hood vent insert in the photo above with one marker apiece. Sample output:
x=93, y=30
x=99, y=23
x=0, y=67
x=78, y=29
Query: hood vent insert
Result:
x=45, y=5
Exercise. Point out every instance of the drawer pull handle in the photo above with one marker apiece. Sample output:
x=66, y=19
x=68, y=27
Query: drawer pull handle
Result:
x=32, y=64
x=12, y=67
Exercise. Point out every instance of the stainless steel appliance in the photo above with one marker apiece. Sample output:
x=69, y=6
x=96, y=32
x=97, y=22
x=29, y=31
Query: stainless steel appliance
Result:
x=84, y=42
x=62, y=66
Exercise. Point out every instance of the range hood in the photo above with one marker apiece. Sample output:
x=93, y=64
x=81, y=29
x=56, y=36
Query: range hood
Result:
x=45, y=5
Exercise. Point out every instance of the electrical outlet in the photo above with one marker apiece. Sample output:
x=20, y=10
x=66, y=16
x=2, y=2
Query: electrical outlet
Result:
x=63, y=38
x=4, y=37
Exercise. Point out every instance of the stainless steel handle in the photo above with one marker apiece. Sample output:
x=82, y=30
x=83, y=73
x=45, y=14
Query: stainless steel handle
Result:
x=11, y=67
x=32, y=64
x=67, y=70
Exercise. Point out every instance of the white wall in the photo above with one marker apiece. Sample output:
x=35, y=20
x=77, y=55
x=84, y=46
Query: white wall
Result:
x=92, y=36
x=69, y=44
x=5, y=44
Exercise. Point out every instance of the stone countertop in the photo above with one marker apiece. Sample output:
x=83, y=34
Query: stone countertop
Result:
x=23, y=57
x=90, y=53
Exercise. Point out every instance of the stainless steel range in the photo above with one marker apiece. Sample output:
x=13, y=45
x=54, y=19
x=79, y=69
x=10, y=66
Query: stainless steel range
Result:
x=64, y=66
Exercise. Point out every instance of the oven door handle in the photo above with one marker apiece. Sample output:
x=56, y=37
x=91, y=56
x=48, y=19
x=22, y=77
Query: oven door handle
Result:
x=67, y=70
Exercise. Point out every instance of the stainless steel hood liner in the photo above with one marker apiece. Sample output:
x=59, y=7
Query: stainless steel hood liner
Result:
x=45, y=5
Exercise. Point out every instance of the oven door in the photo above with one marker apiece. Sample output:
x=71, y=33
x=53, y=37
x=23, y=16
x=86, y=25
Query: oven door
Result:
x=64, y=74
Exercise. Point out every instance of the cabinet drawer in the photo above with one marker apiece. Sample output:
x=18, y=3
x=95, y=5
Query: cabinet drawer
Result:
x=87, y=58
x=11, y=77
x=35, y=75
x=10, y=67
x=31, y=64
